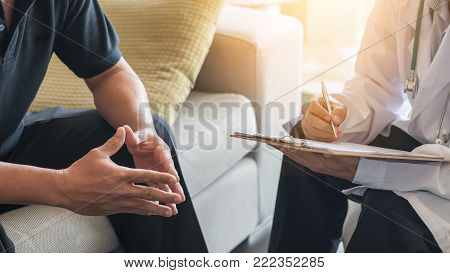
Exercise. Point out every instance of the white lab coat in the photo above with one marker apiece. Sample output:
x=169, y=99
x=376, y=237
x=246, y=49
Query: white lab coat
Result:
x=375, y=95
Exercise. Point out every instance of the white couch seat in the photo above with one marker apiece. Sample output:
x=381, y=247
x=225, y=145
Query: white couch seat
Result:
x=202, y=135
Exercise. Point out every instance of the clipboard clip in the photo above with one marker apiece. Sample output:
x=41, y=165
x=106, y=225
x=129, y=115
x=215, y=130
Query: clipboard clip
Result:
x=293, y=141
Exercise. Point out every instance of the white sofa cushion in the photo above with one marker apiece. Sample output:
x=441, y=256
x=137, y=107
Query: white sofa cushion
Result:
x=45, y=229
x=202, y=134
x=228, y=209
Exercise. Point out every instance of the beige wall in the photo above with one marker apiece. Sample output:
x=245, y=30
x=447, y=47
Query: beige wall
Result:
x=334, y=29
x=333, y=33
x=332, y=20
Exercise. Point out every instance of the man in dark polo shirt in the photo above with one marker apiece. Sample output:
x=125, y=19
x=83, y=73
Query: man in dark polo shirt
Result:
x=62, y=158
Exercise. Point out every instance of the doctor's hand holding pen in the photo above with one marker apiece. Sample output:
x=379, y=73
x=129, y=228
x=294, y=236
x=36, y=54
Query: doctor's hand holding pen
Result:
x=322, y=119
x=321, y=122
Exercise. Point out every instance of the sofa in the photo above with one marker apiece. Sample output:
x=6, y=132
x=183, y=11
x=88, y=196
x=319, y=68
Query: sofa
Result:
x=255, y=59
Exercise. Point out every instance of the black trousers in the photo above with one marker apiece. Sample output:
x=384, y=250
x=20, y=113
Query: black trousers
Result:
x=58, y=142
x=310, y=212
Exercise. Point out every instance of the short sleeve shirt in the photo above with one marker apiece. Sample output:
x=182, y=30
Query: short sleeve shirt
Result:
x=76, y=30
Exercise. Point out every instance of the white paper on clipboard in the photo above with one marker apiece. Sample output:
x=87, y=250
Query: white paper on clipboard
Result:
x=339, y=148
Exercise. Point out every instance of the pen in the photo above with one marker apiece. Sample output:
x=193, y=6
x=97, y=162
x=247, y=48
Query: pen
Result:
x=327, y=101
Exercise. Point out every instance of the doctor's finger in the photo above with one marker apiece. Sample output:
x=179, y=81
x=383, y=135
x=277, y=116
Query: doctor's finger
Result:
x=317, y=132
x=339, y=114
x=319, y=124
x=318, y=110
x=318, y=135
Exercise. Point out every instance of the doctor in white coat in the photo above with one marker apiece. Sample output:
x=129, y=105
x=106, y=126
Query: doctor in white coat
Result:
x=405, y=206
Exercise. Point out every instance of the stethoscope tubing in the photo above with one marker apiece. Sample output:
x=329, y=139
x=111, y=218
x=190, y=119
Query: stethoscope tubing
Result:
x=440, y=138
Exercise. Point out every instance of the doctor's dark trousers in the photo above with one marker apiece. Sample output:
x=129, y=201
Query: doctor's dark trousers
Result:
x=58, y=142
x=310, y=212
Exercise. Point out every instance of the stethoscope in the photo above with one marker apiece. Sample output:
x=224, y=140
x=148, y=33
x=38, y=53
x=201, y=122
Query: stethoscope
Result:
x=412, y=83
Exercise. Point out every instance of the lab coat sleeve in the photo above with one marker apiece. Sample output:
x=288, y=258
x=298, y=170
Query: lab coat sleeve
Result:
x=408, y=176
x=288, y=126
x=374, y=96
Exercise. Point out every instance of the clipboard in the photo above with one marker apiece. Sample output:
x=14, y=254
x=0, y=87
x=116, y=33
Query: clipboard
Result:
x=339, y=148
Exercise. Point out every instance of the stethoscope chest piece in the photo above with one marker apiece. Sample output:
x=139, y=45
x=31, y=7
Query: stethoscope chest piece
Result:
x=443, y=138
x=443, y=135
x=412, y=84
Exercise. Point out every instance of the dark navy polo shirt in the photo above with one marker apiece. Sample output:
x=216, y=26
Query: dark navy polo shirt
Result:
x=76, y=30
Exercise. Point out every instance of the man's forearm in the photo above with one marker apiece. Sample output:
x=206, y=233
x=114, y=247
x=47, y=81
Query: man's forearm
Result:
x=121, y=99
x=26, y=185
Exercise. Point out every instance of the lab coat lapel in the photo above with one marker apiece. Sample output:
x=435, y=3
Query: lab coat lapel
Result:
x=435, y=79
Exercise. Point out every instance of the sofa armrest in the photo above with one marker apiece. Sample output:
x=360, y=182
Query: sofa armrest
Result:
x=259, y=55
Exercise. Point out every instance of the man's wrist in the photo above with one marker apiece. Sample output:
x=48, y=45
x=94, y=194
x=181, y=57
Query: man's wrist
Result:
x=28, y=185
x=54, y=194
x=145, y=133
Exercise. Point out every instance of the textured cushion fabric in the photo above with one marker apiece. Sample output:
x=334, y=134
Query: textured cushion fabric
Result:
x=45, y=229
x=228, y=209
x=165, y=41
x=202, y=134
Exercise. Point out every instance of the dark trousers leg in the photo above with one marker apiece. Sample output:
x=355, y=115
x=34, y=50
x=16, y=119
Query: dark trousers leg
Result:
x=310, y=212
x=388, y=224
x=6, y=246
x=59, y=142
x=180, y=233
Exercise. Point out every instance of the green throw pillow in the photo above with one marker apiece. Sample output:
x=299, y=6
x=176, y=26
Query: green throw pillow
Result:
x=166, y=43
